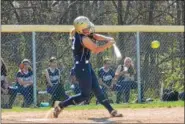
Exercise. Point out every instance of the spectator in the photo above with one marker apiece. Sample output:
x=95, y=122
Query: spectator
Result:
x=170, y=95
x=25, y=82
x=106, y=74
x=53, y=82
x=8, y=94
x=125, y=76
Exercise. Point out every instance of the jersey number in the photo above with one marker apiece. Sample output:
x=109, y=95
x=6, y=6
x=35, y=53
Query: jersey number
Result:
x=73, y=43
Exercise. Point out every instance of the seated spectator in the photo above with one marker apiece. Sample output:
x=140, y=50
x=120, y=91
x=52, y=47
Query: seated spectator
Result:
x=25, y=82
x=53, y=82
x=106, y=74
x=170, y=95
x=124, y=76
x=8, y=94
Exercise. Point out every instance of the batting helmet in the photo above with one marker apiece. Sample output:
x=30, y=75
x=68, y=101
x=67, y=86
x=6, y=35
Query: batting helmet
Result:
x=81, y=23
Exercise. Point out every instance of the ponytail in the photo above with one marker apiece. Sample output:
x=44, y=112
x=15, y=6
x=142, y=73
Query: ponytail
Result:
x=71, y=34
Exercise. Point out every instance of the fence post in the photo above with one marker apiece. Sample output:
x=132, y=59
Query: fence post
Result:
x=34, y=68
x=138, y=67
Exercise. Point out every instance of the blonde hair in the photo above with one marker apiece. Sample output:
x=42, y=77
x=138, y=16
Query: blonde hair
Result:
x=128, y=58
x=72, y=33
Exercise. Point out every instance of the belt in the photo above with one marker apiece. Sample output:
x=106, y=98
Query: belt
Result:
x=86, y=62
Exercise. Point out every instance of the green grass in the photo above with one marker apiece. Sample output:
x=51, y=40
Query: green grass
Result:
x=156, y=104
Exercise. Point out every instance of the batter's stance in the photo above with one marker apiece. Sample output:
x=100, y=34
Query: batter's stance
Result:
x=82, y=45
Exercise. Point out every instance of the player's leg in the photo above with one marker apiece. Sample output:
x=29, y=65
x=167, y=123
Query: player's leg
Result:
x=77, y=99
x=84, y=77
x=13, y=94
x=51, y=90
x=90, y=97
x=85, y=83
x=85, y=86
x=29, y=95
x=77, y=88
x=60, y=93
x=100, y=96
x=104, y=90
x=126, y=91
x=119, y=94
x=25, y=93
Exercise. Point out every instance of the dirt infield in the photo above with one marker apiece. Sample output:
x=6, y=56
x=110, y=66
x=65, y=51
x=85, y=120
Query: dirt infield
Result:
x=155, y=115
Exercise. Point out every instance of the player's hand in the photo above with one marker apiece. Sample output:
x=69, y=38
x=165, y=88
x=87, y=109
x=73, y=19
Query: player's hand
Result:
x=112, y=41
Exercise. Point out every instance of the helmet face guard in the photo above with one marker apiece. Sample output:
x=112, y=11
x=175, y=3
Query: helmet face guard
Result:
x=81, y=23
x=92, y=28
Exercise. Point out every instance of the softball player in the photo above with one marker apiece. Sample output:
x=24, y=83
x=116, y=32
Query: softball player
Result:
x=82, y=46
x=106, y=74
x=24, y=79
x=53, y=81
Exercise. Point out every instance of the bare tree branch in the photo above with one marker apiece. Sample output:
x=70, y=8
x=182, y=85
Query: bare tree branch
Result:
x=135, y=18
x=114, y=3
x=165, y=11
x=126, y=12
x=102, y=14
x=16, y=14
x=66, y=11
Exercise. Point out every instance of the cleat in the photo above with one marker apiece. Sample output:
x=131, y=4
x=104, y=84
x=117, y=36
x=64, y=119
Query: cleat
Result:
x=57, y=110
x=114, y=113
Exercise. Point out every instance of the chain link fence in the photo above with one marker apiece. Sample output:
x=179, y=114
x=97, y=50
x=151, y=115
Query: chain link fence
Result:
x=162, y=69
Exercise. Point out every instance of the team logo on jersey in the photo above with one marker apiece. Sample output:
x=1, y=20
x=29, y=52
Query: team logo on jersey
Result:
x=107, y=78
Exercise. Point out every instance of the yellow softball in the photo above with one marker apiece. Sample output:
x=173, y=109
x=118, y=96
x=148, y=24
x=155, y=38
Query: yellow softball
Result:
x=155, y=44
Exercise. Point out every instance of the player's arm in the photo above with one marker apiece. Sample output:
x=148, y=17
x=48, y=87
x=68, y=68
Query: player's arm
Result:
x=103, y=84
x=24, y=83
x=20, y=80
x=87, y=42
x=118, y=72
x=113, y=79
x=116, y=76
x=100, y=81
x=109, y=88
x=100, y=76
x=100, y=37
x=47, y=78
